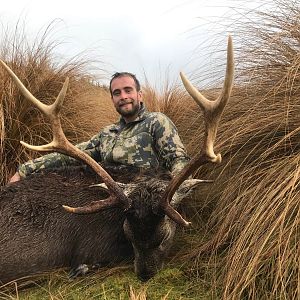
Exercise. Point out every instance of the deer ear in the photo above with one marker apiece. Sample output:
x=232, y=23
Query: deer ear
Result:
x=186, y=189
x=127, y=187
x=101, y=186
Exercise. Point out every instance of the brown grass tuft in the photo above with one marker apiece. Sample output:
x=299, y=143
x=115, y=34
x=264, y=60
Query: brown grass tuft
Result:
x=255, y=218
x=35, y=64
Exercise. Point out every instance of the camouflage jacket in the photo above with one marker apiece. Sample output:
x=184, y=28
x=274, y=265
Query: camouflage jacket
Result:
x=150, y=141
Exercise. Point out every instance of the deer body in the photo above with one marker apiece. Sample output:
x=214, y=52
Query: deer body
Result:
x=38, y=235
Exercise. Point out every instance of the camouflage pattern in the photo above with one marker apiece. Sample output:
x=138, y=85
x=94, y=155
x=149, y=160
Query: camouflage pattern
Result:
x=148, y=142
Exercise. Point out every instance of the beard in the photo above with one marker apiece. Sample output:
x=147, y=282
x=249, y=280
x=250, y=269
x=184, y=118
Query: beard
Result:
x=124, y=112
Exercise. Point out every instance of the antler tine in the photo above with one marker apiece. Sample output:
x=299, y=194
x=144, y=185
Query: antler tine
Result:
x=212, y=111
x=62, y=145
x=94, y=206
x=41, y=106
x=52, y=111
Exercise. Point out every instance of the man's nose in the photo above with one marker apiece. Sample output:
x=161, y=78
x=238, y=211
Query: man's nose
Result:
x=123, y=95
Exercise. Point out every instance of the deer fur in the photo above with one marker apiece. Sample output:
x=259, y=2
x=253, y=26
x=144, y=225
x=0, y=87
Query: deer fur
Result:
x=38, y=235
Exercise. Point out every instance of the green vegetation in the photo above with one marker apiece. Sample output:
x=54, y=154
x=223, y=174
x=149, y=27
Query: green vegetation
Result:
x=245, y=240
x=119, y=283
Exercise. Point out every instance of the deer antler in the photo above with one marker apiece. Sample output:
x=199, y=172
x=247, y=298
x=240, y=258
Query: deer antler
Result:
x=62, y=145
x=212, y=111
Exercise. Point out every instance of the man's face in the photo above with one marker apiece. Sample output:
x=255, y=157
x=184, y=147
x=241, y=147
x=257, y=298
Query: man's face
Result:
x=125, y=97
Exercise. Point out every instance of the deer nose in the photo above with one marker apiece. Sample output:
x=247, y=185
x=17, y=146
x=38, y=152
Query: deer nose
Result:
x=145, y=276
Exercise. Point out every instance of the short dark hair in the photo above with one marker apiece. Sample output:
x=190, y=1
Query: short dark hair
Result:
x=125, y=74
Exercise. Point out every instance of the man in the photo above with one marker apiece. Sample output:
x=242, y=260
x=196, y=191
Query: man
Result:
x=140, y=138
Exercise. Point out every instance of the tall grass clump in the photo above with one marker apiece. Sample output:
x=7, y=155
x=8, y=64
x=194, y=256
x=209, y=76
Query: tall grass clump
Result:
x=253, y=229
x=37, y=66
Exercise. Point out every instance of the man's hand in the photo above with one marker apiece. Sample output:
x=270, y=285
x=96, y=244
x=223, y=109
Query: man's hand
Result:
x=15, y=178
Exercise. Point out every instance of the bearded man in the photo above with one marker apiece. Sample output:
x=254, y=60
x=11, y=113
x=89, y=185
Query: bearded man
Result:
x=140, y=138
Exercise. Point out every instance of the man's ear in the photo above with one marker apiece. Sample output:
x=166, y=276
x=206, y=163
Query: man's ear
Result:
x=140, y=94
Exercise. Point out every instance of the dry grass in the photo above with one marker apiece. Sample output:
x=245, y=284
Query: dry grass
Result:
x=251, y=242
x=35, y=64
x=254, y=224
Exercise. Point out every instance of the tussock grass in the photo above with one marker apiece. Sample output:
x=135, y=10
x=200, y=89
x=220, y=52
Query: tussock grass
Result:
x=253, y=228
x=36, y=65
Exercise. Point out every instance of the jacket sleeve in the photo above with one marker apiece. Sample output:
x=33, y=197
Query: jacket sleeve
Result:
x=168, y=144
x=57, y=160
